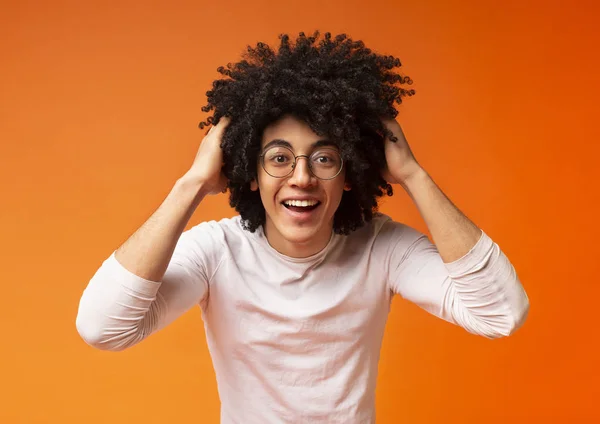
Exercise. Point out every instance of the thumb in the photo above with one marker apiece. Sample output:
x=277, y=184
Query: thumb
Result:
x=387, y=175
x=223, y=182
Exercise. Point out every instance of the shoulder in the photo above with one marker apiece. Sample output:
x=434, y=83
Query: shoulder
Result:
x=226, y=235
x=383, y=226
x=387, y=234
x=221, y=230
x=208, y=243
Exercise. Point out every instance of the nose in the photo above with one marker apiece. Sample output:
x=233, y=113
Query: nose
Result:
x=301, y=176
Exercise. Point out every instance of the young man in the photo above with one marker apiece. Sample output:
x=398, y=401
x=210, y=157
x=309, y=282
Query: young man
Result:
x=295, y=291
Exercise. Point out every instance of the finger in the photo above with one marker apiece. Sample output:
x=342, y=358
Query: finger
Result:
x=223, y=183
x=223, y=122
x=386, y=174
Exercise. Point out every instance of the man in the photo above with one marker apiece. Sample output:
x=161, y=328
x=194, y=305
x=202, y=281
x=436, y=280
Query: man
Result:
x=295, y=291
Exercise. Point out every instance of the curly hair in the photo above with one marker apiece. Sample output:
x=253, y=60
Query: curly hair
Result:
x=340, y=88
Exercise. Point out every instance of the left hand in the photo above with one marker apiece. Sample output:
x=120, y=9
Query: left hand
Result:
x=401, y=163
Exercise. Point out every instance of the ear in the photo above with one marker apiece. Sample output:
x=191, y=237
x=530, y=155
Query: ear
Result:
x=347, y=186
x=253, y=185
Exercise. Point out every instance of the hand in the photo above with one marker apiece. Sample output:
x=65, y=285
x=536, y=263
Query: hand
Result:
x=401, y=163
x=207, y=166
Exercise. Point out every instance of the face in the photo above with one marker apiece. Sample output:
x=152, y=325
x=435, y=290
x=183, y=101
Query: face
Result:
x=299, y=207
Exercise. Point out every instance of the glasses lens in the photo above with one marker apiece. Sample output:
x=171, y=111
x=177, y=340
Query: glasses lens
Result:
x=326, y=163
x=278, y=161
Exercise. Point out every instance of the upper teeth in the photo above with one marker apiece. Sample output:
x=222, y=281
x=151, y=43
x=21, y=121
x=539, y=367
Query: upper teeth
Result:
x=302, y=203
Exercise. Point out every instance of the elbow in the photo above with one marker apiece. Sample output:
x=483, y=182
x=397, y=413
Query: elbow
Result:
x=92, y=334
x=501, y=321
x=95, y=335
x=519, y=315
x=512, y=321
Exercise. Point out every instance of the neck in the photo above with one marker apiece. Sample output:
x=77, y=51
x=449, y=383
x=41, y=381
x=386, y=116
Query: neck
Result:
x=299, y=248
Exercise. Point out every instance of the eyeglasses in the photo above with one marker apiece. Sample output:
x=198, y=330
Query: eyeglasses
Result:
x=324, y=163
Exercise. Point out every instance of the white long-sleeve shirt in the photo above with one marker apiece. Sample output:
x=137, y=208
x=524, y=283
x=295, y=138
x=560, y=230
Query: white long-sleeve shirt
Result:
x=298, y=340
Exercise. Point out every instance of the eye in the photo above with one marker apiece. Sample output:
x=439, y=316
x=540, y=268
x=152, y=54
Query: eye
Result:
x=325, y=158
x=279, y=158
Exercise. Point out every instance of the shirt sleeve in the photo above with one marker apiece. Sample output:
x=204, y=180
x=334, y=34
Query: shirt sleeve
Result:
x=480, y=292
x=119, y=309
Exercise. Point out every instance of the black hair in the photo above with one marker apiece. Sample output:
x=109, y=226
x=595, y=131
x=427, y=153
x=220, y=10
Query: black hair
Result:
x=340, y=88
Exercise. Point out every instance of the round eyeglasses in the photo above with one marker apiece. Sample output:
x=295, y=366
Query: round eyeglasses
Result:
x=324, y=163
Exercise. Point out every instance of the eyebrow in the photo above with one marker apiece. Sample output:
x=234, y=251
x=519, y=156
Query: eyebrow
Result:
x=284, y=143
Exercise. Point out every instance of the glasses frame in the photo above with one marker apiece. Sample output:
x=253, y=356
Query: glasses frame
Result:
x=262, y=162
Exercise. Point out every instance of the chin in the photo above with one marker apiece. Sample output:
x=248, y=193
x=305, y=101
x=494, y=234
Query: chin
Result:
x=301, y=233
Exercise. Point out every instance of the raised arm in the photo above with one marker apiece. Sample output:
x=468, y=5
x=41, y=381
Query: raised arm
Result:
x=157, y=274
x=464, y=277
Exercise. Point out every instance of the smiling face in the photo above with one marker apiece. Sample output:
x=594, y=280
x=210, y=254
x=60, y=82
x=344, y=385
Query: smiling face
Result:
x=299, y=207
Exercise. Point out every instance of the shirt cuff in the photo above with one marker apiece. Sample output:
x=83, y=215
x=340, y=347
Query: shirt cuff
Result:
x=128, y=279
x=474, y=259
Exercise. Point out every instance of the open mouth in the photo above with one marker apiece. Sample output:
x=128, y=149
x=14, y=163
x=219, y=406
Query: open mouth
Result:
x=301, y=205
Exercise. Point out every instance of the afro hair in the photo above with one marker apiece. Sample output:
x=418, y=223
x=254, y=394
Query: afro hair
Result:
x=340, y=88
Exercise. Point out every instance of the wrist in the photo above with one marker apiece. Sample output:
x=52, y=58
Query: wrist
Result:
x=416, y=179
x=190, y=185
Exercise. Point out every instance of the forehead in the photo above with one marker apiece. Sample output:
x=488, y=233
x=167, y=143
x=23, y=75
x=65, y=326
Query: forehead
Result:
x=293, y=131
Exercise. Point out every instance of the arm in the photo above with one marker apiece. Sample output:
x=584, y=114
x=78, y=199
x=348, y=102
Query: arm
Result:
x=159, y=272
x=479, y=291
x=464, y=278
x=453, y=233
x=136, y=291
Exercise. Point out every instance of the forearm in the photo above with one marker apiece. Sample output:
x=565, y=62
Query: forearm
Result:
x=453, y=233
x=485, y=296
x=122, y=304
x=148, y=251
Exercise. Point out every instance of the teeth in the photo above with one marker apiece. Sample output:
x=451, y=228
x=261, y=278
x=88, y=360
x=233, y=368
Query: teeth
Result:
x=301, y=203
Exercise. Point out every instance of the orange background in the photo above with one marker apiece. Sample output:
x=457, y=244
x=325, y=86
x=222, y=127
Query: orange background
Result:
x=99, y=108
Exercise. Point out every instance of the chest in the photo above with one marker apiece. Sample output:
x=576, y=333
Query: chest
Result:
x=300, y=309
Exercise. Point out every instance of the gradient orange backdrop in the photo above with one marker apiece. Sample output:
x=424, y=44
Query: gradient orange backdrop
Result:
x=99, y=105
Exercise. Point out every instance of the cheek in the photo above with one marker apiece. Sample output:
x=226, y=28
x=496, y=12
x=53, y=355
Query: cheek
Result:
x=268, y=188
x=335, y=192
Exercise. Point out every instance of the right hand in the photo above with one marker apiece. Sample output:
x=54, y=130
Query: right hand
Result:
x=207, y=166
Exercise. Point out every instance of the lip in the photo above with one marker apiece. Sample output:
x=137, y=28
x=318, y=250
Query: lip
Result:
x=300, y=198
x=301, y=217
